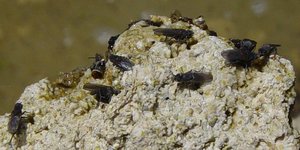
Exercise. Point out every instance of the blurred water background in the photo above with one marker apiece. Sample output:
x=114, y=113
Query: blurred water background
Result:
x=40, y=38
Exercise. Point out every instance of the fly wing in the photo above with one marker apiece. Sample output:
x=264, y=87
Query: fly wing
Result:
x=248, y=44
x=90, y=86
x=121, y=62
x=13, y=124
x=233, y=56
x=202, y=77
x=236, y=42
x=126, y=65
x=93, y=88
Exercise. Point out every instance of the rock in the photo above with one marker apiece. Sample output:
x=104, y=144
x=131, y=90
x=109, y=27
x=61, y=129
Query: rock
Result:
x=239, y=108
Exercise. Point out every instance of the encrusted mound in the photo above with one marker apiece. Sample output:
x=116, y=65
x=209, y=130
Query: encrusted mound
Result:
x=239, y=108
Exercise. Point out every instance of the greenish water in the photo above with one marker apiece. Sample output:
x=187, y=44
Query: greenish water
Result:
x=40, y=38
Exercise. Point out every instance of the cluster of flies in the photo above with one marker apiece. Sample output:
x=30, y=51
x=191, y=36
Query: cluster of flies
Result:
x=103, y=93
x=242, y=55
x=191, y=79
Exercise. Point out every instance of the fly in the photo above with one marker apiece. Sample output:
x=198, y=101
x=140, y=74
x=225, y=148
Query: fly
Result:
x=243, y=55
x=121, y=62
x=15, y=121
x=267, y=49
x=102, y=93
x=98, y=67
x=177, y=34
x=112, y=41
x=193, y=79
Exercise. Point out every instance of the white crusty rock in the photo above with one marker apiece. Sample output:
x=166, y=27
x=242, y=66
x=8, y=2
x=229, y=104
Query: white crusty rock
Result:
x=239, y=108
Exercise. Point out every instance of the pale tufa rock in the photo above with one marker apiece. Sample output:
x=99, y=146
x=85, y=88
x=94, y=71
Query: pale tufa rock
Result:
x=238, y=109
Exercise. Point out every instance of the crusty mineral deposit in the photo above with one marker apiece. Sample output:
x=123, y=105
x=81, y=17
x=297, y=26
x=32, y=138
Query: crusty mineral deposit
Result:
x=239, y=108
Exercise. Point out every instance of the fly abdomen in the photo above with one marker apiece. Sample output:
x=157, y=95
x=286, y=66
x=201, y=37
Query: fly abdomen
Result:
x=13, y=124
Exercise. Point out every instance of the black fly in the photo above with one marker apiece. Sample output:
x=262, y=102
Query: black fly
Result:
x=98, y=67
x=15, y=120
x=192, y=79
x=247, y=44
x=111, y=41
x=264, y=54
x=267, y=49
x=177, y=34
x=121, y=62
x=102, y=93
x=239, y=57
x=243, y=55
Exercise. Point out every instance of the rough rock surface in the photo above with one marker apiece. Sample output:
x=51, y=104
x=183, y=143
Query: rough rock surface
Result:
x=239, y=108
